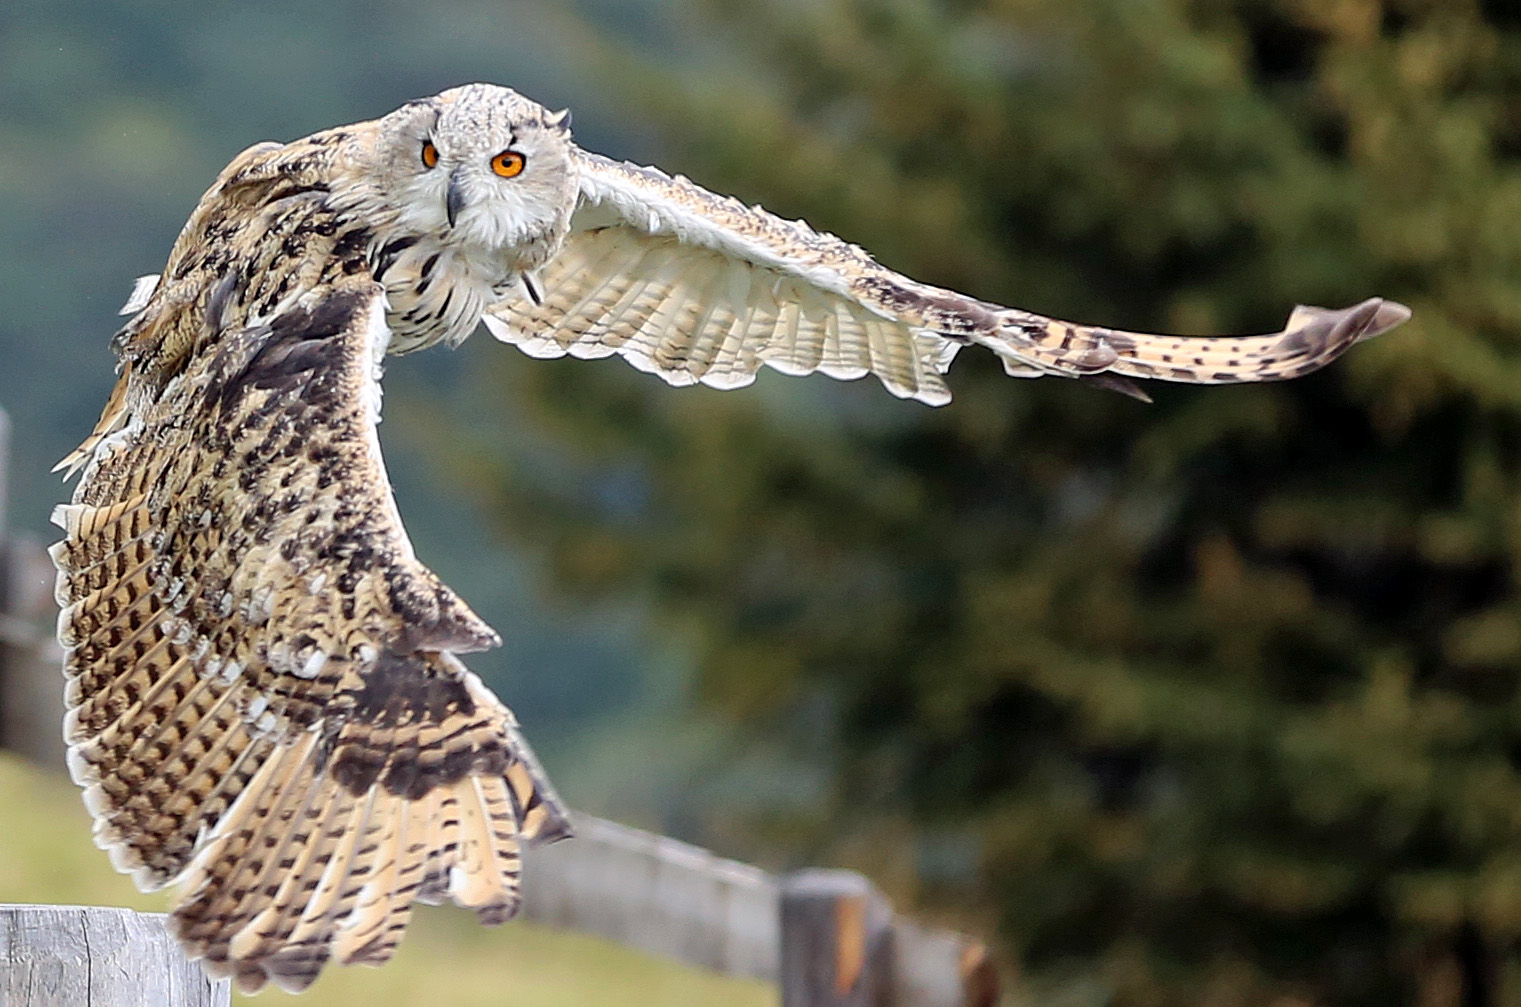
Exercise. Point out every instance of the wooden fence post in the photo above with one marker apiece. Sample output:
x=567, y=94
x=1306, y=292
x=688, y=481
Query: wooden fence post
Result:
x=66, y=956
x=5, y=538
x=939, y=968
x=5, y=458
x=31, y=662
x=836, y=941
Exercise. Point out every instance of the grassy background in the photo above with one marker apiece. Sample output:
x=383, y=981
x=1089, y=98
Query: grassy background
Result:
x=46, y=857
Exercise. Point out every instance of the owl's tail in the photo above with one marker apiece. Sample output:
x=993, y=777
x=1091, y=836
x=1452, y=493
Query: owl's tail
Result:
x=1032, y=345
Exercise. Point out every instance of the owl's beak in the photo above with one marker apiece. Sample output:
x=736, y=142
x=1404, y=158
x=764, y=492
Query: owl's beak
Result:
x=454, y=200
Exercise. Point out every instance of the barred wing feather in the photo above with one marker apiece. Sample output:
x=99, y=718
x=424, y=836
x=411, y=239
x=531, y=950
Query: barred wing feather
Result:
x=700, y=288
x=264, y=703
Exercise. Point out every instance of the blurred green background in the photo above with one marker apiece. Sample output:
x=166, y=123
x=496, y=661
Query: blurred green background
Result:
x=1207, y=702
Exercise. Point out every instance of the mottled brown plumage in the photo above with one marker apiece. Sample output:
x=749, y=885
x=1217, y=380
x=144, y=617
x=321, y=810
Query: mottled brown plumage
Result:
x=263, y=696
x=265, y=702
x=257, y=659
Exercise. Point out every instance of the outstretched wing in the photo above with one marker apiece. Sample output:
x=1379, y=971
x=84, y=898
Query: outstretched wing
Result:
x=264, y=701
x=696, y=287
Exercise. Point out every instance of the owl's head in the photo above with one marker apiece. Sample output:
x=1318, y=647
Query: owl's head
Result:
x=480, y=165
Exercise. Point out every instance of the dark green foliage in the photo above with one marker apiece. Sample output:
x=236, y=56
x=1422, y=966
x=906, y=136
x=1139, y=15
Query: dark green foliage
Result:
x=1212, y=701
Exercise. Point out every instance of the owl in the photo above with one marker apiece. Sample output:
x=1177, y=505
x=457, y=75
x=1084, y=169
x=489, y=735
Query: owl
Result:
x=267, y=704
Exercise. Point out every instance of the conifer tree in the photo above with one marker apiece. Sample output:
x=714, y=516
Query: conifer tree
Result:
x=1212, y=701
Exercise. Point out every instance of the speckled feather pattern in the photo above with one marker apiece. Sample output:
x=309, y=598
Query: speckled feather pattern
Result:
x=697, y=287
x=263, y=699
x=253, y=652
x=265, y=702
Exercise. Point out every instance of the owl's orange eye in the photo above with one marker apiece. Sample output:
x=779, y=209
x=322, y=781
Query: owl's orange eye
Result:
x=429, y=154
x=508, y=163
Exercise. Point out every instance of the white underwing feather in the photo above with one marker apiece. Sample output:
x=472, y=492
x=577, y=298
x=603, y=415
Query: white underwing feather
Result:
x=142, y=291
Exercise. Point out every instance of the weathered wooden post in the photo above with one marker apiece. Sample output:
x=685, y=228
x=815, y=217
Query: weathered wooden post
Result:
x=5, y=452
x=5, y=460
x=939, y=968
x=842, y=946
x=68, y=956
x=31, y=662
x=837, y=941
x=31, y=682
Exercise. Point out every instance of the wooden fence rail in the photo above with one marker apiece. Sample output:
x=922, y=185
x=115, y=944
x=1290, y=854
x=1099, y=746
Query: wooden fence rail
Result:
x=679, y=901
x=656, y=894
x=827, y=938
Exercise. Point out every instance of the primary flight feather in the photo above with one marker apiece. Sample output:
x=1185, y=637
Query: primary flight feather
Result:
x=265, y=699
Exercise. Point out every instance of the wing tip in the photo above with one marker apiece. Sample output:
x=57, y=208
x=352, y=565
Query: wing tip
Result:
x=1315, y=332
x=1386, y=315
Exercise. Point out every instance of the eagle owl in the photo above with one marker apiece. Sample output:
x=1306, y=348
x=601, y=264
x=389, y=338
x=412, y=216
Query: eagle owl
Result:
x=265, y=697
